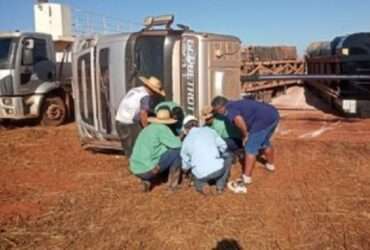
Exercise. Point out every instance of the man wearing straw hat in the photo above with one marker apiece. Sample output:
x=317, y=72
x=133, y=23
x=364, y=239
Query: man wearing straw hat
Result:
x=204, y=153
x=177, y=113
x=157, y=150
x=134, y=109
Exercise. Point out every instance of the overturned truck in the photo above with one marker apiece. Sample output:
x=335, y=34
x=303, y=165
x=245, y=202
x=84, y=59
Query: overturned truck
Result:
x=193, y=67
x=343, y=56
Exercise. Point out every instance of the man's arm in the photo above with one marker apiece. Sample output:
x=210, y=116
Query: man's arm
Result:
x=167, y=138
x=144, y=109
x=239, y=122
x=220, y=143
x=143, y=115
x=186, y=157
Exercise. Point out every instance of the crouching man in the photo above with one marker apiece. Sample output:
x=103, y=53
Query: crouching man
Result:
x=176, y=112
x=156, y=151
x=257, y=123
x=204, y=152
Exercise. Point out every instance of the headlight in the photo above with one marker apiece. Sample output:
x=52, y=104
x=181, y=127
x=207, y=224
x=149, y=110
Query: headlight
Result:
x=8, y=101
x=6, y=86
x=345, y=52
x=9, y=111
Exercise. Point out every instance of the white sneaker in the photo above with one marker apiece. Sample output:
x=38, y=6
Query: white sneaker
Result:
x=237, y=187
x=270, y=167
x=247, y=179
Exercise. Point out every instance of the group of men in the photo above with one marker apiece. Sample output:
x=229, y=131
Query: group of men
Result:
x=159, y=139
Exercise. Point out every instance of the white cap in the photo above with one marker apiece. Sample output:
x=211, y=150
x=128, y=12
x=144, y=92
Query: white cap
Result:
x=189, y=118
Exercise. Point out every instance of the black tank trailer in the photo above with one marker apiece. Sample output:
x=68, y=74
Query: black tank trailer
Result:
x=344, y=55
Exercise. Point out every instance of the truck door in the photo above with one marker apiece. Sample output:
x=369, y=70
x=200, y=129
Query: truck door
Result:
x=103, y=91
x=86, y=107
x=35, y=64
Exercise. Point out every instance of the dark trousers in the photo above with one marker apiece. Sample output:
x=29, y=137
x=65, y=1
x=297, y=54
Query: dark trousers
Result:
x=220, y=177
x=233, y=144
x=170, y=160
x=128, y=134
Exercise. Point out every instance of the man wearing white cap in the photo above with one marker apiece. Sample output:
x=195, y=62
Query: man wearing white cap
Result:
x=157, y=150
x=204, y=152
x=134, y=109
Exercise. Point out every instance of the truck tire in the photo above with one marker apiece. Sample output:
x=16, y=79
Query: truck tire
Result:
x=53, y=111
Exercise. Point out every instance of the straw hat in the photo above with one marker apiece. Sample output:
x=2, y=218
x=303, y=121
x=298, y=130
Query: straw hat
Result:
x=163, y=117
x=207, y=113
x=154, y=84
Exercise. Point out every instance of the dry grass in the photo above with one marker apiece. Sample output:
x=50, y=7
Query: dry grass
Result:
x=54, y=195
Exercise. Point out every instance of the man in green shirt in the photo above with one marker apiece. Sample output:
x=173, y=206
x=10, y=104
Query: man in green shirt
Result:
x=157, y=150
x=176, y=113
x=225, y=129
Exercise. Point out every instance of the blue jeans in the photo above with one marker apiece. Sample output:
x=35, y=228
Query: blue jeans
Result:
x=220, y=176
x=169, y=160
x=260, y=139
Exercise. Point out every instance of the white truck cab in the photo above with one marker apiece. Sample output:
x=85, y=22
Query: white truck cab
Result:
x=29, y=87
x=193, y=67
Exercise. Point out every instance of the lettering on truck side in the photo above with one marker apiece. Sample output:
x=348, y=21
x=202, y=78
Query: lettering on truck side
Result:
x=189, y=67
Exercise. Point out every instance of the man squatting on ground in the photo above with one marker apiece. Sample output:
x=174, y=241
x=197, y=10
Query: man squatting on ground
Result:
x=205, y=154
x=176, y=113
x=134, y=109
x=257, y=122
x=156, y=151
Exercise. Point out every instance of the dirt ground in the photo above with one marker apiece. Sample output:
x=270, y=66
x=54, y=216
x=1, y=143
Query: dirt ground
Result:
x=55, y=195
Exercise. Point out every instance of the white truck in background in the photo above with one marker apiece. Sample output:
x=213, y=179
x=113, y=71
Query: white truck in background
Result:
x=32, y=84
x=35, y=68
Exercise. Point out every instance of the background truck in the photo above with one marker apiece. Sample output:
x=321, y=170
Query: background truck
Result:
x=35, y=68
x=31, y=86
x=193, y=67
x=344, y=55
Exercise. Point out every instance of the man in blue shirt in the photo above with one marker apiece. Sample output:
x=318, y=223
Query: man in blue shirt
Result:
x=257, y=122
x=204, y=152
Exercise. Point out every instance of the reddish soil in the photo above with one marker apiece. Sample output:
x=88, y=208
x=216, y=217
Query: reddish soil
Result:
x=55, y=195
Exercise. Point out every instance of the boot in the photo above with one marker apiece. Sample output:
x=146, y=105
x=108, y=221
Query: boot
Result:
x=173, y=178
x=146, y=186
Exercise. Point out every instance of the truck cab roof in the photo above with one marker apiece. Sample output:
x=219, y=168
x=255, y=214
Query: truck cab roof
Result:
x=23, y=34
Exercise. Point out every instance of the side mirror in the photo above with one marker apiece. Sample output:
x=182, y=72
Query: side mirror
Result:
x=27, y=52
x=28, y=44
x=27, y=56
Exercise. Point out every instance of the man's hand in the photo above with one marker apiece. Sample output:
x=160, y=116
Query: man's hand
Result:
x=245, y=139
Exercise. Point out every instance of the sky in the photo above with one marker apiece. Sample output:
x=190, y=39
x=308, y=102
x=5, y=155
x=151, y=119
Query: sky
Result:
x=263, y=22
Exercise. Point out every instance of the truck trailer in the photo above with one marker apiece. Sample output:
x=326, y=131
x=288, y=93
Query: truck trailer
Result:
x=193, y=67
x=343, y=56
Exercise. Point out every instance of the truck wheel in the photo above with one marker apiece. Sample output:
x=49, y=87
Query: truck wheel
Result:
x=53, y=111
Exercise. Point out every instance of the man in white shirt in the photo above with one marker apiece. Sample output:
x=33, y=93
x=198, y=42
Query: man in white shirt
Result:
x=133, y=111
x=204, y=152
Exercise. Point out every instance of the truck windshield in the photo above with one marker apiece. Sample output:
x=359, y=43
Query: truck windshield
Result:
x=6, y=46
x=150, y=56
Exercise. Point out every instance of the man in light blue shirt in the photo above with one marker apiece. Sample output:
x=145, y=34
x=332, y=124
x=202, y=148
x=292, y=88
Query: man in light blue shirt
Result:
x=204, y=152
